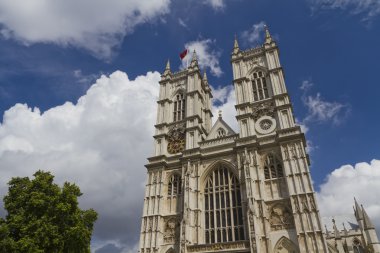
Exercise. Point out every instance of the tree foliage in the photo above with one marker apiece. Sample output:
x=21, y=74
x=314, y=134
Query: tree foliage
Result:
x=44, y=218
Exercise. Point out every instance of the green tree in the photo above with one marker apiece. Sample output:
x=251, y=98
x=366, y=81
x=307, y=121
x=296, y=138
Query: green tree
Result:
x=44, y=218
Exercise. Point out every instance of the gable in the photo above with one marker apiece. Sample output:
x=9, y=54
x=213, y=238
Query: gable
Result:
x=219, y=130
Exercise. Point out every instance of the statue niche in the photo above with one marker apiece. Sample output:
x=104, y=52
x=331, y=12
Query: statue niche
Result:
x=281, y=217
x=171, y=231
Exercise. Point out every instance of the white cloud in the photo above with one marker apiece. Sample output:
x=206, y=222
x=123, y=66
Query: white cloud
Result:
x=224, y=100
x=100, y=143
x=182, y=23
x=96, y=25
x=323, y=111
x=320, y=110
x=368, y=8
x=216, y=4
x=254, y=35
x=343, y=184
x=306, y=85
x=207, y=57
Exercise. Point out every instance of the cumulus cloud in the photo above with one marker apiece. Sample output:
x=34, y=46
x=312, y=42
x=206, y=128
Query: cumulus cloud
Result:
x=207, y=57
x=367, y=8
x=361, y=180
x=224, y=100
x=96, y=25
x=254, y=35
x=100, y=143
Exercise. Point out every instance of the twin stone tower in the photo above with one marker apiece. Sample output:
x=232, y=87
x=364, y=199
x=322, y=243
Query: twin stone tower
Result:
x=210, y=189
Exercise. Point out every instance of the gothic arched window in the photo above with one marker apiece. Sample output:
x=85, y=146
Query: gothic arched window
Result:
x=179, y=107
x=223, y=212
x=174, y=186
x=259, y=86
x=220, y=133
x=272, y=167
x=358, y=248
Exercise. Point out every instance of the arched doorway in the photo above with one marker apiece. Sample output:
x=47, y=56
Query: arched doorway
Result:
x=284, y=245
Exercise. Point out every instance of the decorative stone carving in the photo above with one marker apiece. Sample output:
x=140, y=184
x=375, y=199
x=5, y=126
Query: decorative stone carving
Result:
x=265, y=125
x=281, y=217
x=171, y=230
x=263, y=109
x=176, y=138
x=239, y=245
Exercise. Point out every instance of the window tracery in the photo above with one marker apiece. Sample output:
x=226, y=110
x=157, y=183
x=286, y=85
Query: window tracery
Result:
x=174, y=186
x=223, y=211
x=358, y=248
x=272, y=167
x=221, y=133
x=179, y=107
x=259, y=86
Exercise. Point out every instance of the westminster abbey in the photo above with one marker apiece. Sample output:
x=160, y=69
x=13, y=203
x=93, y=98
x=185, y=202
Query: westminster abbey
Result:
x=211, y=189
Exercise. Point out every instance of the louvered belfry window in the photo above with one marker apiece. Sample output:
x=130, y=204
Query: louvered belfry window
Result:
x=259, y=86
x=179, y=107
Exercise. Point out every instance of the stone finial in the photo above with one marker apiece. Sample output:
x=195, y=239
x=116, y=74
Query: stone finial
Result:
x=367, y=221
x=268, y=37
x=167, y=68
x=336, y=231
x=220, y=113
x=194, y=59
x=344, y=228
x=358, y=211
x=236, y=46
x=327, y=231
x=204, y=75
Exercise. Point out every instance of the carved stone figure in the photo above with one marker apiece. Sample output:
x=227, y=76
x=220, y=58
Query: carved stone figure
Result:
x=281, y=217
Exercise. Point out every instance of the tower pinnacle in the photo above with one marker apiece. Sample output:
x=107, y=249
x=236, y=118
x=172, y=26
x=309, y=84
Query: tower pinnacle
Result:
x=358, y=211
x=367, y=221
x=167, y=68
x=268, y=37
x=236, y=46
x=194, y=59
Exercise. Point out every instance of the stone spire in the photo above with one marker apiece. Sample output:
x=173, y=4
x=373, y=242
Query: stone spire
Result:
x=367, y=221
x=236, y=48
x=344, y=229
x=167, y=70
x=358, y=211
x=336, y=231
x=327, y=231
x=204, y=76
x=194, y=59
x=268, y=37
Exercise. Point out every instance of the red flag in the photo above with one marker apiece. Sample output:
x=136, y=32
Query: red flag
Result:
x=183, y=54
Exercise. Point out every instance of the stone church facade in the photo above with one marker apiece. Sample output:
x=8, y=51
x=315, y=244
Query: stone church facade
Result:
x=211, y=189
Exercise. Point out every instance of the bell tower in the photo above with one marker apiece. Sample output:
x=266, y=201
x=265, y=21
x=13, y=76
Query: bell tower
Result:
x=284, y=215
x=184, y=109
x=210, y=189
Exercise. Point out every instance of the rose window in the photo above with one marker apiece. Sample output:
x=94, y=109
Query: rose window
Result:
x=265, y=124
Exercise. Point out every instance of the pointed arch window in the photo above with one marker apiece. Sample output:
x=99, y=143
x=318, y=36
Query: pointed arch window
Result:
x=358, y=248
x=174, y=186
x=221, y=133
x=273, y=167
x=179, y=107
x=223, y=211
x=259, y=86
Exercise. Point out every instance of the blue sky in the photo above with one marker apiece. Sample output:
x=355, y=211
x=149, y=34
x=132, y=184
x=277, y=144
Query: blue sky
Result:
x=52, y=54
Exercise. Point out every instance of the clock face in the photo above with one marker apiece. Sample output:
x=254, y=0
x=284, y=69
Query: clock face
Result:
x=176, y=146
x=176, y=139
